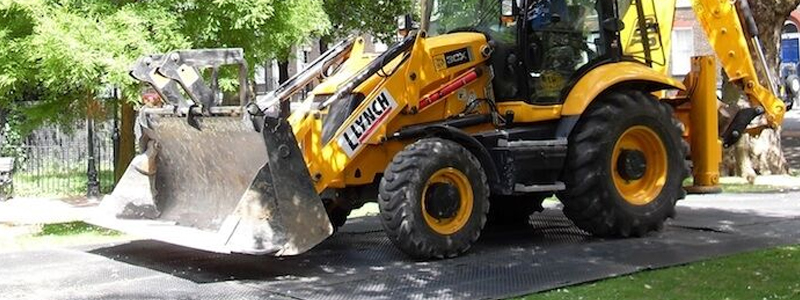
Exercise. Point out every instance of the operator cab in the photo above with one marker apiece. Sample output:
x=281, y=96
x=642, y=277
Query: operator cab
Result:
x=540, y=46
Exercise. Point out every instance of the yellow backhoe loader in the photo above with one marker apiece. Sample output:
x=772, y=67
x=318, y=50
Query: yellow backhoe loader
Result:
x=482, y=111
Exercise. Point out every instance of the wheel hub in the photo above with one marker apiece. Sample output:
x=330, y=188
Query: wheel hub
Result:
x=631, y=164
x=442, y=200
x=639, y=165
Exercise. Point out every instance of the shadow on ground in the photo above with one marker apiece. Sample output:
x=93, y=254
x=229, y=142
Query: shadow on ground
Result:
x=791, y=150
x=361, y=244
x=360, y=263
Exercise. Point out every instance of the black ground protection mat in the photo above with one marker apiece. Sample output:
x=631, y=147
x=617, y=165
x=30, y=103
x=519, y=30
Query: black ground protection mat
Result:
x=360, y=263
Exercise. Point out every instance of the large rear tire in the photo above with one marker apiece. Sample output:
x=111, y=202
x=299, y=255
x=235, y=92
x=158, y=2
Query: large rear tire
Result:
x=625, y=166
x=433, y=199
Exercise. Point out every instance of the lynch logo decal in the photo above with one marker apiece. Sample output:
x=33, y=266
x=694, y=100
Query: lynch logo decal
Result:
x=457, y=57
x=365, y=124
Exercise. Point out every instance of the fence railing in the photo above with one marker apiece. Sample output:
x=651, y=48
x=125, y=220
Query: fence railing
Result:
x=60, y=170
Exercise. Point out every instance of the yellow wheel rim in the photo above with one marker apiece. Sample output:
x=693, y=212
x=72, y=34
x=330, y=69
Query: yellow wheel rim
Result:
x=457, y=179
x=646, y=188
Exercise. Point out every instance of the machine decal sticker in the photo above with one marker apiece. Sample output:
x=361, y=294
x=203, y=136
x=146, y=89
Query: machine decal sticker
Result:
x=365, y=124
x=457, y=57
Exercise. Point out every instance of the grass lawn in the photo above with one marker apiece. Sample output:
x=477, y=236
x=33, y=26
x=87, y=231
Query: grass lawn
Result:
x=736, y=188
x=733, y=185
x=59, y=183
x=766, y=274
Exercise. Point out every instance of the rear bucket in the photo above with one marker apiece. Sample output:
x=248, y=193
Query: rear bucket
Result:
x=220, y=186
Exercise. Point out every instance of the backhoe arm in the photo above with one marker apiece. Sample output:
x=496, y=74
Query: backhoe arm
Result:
x=732, y=43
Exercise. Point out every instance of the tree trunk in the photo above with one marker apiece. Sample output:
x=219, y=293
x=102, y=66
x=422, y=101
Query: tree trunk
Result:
x=763, y=154
x=127, y=147
x=736, y=159
x=770, y=16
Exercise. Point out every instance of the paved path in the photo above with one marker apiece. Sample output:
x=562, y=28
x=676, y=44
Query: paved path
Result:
x=30, y=211
x=791, y=138
x=360, y=263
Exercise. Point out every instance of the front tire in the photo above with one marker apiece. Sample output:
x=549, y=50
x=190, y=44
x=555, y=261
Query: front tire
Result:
x=433, y=199
x=625, y=166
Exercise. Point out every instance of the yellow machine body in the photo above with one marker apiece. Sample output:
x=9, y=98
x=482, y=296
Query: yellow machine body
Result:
x=515, y=107
x=333, y=166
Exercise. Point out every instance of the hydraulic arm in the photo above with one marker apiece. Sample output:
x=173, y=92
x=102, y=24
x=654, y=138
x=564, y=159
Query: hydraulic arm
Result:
x=732, y=42
x=732, y=33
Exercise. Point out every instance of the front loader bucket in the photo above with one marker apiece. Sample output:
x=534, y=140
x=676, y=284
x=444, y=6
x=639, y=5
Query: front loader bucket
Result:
x=217, y=184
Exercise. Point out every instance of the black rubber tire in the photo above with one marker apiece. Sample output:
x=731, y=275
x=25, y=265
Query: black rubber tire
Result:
x=591, y=199
x=400, y=196
x=516, y=209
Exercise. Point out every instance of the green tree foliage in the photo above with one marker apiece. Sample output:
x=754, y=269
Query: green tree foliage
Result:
x=264, y=28
x=458, y=14
x=63, y=53
x=375, y=17
x=15, y=26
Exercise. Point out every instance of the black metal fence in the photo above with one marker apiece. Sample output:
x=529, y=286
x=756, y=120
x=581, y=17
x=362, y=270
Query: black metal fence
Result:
x=54, y=162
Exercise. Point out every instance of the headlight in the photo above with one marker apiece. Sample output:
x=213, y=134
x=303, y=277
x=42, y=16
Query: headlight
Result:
x=794, y=85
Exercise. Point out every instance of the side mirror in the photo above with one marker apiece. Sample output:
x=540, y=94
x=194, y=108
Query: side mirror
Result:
x=404, y=25
x=510, y=10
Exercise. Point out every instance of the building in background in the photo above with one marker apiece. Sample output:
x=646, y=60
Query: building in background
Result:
x=688, y=39
x=790, y=45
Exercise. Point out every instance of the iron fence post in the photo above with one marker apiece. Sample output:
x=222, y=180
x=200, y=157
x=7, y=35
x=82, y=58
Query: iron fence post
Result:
x=115, y=136
x=92, y=185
